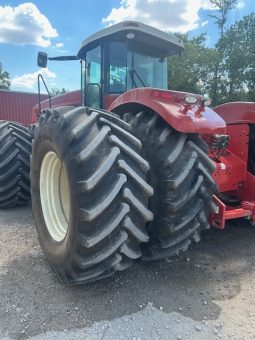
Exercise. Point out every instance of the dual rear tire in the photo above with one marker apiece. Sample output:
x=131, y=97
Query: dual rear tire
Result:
x=108, y=191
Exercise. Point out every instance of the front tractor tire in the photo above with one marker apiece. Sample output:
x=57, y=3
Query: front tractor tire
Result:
x=180, y=173
x=89, y=193
x=15, y=150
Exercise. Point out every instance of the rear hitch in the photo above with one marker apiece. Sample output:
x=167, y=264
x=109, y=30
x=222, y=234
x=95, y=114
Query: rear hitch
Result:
x=226, y=212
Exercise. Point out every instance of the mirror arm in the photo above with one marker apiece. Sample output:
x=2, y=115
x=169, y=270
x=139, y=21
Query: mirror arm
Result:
x=64, y=58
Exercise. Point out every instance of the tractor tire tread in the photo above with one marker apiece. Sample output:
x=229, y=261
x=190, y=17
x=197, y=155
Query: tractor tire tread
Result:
x=107, y=176
x=180, y=174
x=15, y=150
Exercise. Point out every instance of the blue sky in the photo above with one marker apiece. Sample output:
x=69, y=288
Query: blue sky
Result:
x=58, y=28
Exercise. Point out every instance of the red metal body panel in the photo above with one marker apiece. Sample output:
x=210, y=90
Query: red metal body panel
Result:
x=239, y=140
x=109, y=99
x=249, y=190
x=230, y=173
x=17, y=106
x=68, y=99
x=231, y=168
x=237, y=112
x=233, y=178
x=170, y=105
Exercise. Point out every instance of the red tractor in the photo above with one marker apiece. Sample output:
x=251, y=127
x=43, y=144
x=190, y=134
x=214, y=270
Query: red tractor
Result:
x=125, y=168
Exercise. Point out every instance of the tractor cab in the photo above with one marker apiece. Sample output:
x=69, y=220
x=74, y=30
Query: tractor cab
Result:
x=122, y=57
x=119, y=58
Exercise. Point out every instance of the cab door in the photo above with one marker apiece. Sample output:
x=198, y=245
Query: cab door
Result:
x=93, y=83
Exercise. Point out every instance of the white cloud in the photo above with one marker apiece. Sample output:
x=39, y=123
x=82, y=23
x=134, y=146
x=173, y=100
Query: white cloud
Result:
x=168, y=15
x=29, y=80
x=240, y=4
x=25, y=24
x=58, y=48
x=204, y=23
x=60, y=44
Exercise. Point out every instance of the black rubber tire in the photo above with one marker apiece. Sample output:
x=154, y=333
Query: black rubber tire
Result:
x=108, y=189
x=33, y=128
x=15, y=150
x=180, y=173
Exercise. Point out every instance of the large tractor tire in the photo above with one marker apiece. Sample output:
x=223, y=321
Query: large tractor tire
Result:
x=15, y=150
x=89, y=193
x=180, y=173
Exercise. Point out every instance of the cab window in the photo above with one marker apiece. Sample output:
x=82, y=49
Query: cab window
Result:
x=146, y=71
x=117, y=68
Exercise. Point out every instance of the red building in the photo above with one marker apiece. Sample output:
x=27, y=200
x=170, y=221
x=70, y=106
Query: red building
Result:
x=17, y=106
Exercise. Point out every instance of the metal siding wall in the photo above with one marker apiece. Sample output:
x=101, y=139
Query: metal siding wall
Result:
x=17, y=106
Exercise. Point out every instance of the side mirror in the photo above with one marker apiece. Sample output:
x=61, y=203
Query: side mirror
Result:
x=42, y=59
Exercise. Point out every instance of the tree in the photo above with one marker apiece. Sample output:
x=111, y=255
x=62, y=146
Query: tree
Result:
x=225, y=72
x=192, y=72
x=56, y=92
x=238, y=49
x=222, y=8
x=4, y=79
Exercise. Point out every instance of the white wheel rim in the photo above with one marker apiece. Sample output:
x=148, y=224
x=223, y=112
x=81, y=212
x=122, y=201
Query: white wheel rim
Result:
x=55, y=196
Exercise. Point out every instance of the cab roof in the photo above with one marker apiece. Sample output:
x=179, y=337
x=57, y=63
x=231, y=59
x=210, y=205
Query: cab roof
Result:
x=144, y=39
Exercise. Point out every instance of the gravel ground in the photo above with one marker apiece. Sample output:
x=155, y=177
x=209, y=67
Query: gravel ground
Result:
x=208, y=293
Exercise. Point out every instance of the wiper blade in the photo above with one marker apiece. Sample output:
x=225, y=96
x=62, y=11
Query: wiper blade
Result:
x=134, y=72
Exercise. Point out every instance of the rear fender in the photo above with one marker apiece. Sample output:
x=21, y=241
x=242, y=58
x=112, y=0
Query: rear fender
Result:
x=170, y=105
x=237, y=112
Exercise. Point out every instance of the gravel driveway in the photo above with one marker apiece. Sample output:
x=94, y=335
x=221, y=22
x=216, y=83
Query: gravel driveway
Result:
x=209, y=292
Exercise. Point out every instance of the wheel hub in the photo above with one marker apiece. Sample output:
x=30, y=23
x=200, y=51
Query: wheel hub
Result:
x=55, y=196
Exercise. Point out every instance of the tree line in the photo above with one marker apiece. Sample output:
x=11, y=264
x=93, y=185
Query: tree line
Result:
x=225, y=72
x=4, y=79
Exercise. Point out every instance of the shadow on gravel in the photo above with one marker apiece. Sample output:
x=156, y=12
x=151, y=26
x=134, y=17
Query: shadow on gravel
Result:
x=33, y=301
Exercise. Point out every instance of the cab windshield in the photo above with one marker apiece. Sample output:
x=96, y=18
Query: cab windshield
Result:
x=146, y=71
x=130, y=69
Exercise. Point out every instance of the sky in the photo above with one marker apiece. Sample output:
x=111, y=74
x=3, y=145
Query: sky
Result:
x=59, y=27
